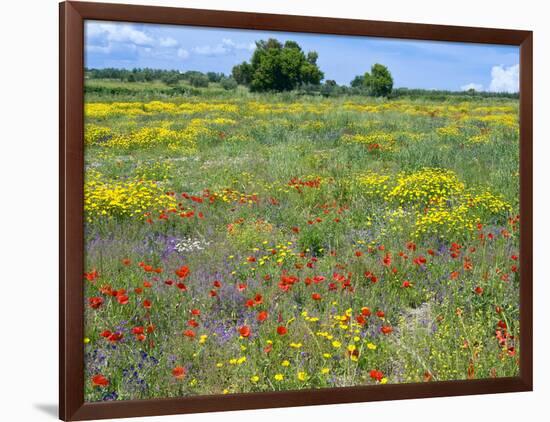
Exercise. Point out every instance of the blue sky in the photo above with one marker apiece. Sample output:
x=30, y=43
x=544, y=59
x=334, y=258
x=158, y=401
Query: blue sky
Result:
x=413, y=64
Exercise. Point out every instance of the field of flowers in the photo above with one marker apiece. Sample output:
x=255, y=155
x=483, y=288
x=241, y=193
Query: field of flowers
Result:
x=271, y=242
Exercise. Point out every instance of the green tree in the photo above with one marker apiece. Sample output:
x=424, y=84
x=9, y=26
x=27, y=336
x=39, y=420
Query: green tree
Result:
x=379, y=81
x=278, y=67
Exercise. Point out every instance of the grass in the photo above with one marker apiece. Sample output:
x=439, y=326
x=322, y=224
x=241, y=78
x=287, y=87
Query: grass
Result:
x=381, y=234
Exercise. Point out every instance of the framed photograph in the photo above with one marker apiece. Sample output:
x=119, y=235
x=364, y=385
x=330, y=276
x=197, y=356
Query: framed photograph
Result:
x=265, y=210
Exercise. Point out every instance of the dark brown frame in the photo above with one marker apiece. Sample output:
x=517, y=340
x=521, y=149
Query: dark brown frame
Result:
x=71, y=168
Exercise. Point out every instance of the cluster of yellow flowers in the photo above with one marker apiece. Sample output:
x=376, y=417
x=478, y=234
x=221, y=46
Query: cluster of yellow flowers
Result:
x=95, y=135
x=119, y=199
x=375, y=141
x=426, y=186
x=132, y=109
x=374, y=185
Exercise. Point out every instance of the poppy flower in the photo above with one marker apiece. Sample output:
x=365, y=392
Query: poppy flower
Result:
x=114, y=337
x=182, y=272
x=106, y=333
x=92, y=275
x=358, y=253
x=178, y=372
x=376, y=375
x=262, y=316
x=478, y=290
x=406, y=284
x=217, y=284
x=137, y=330
x=126, y=261
x=360, y=319
x=195, y=312
x=316, y=296
x=189, y=333
x=249, y=303
x=281, y=330
x=365, y=311
x=95, y=302
x=147, y=304
x=192, y=323
x=244, y=331
x=213, y=293
x=454, y=275
x=138, y=290
x=241, y=287
x=99, y=381
x=258, y=299
x=380, y=314
x=122, y=299
x=181, y=286
x=386, y=261
x=419, y=260
x=147, y=284
x=386, y=329
x=150, y=328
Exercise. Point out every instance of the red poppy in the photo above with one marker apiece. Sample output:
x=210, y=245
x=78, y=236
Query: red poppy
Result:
x=358, y=253
x=281, y=330
x=92, y=275
x=376, y=375
x=386, y=261
x=316, y=296
x=478, y=290
x=406, y=284
x=183, y=271
x=217, y=284
x=296, y=229
x=106, y=333
x=365, y=311
x=147, y=284
x=258, y=299
x=419, y=260
x=249, y=303
x=192, y=323
x=195, y=312
x=150, y=328
x=148, y=268
x=241, y=287
x=386, y=329
x=361, y=319
x=178, y=372
x=95, y=302
x=181, y=286
x=122, y=299
x=262, y=316
x=99, y=381
x=244, y=331
x=114, y=337
x=454, y=275
x=147, y=304
x=189, y=333
x=213, y=293
x=138, y=290
x=380, y=314
x=126, y=261
x=137, y=330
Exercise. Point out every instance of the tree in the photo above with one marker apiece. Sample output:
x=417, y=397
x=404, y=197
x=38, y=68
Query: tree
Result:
x=278, y=67
x=242, y=73
x=379, y=81
x=357, y=82
x=228, y=83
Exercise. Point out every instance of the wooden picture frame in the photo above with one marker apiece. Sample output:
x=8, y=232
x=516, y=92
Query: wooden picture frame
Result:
x=71, y=161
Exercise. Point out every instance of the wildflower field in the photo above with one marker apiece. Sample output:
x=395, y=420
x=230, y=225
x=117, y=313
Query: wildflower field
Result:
x=259, y=242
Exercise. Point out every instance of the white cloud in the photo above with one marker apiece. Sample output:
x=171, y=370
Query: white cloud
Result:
x=119, y=33
x=472, y=85
x=168, y=42
x=504, y=79
x=227, y=46
x=183, y=53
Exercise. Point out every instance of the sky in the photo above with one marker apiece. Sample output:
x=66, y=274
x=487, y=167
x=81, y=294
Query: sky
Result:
x=413, y=64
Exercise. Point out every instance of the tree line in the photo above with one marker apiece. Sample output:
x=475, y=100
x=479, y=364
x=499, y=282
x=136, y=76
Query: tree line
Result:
x=278, y=67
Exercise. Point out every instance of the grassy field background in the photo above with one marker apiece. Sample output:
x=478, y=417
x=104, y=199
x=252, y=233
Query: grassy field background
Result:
x=241, y=242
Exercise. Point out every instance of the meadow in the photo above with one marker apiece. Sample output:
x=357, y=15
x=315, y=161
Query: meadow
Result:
x=239, y=242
